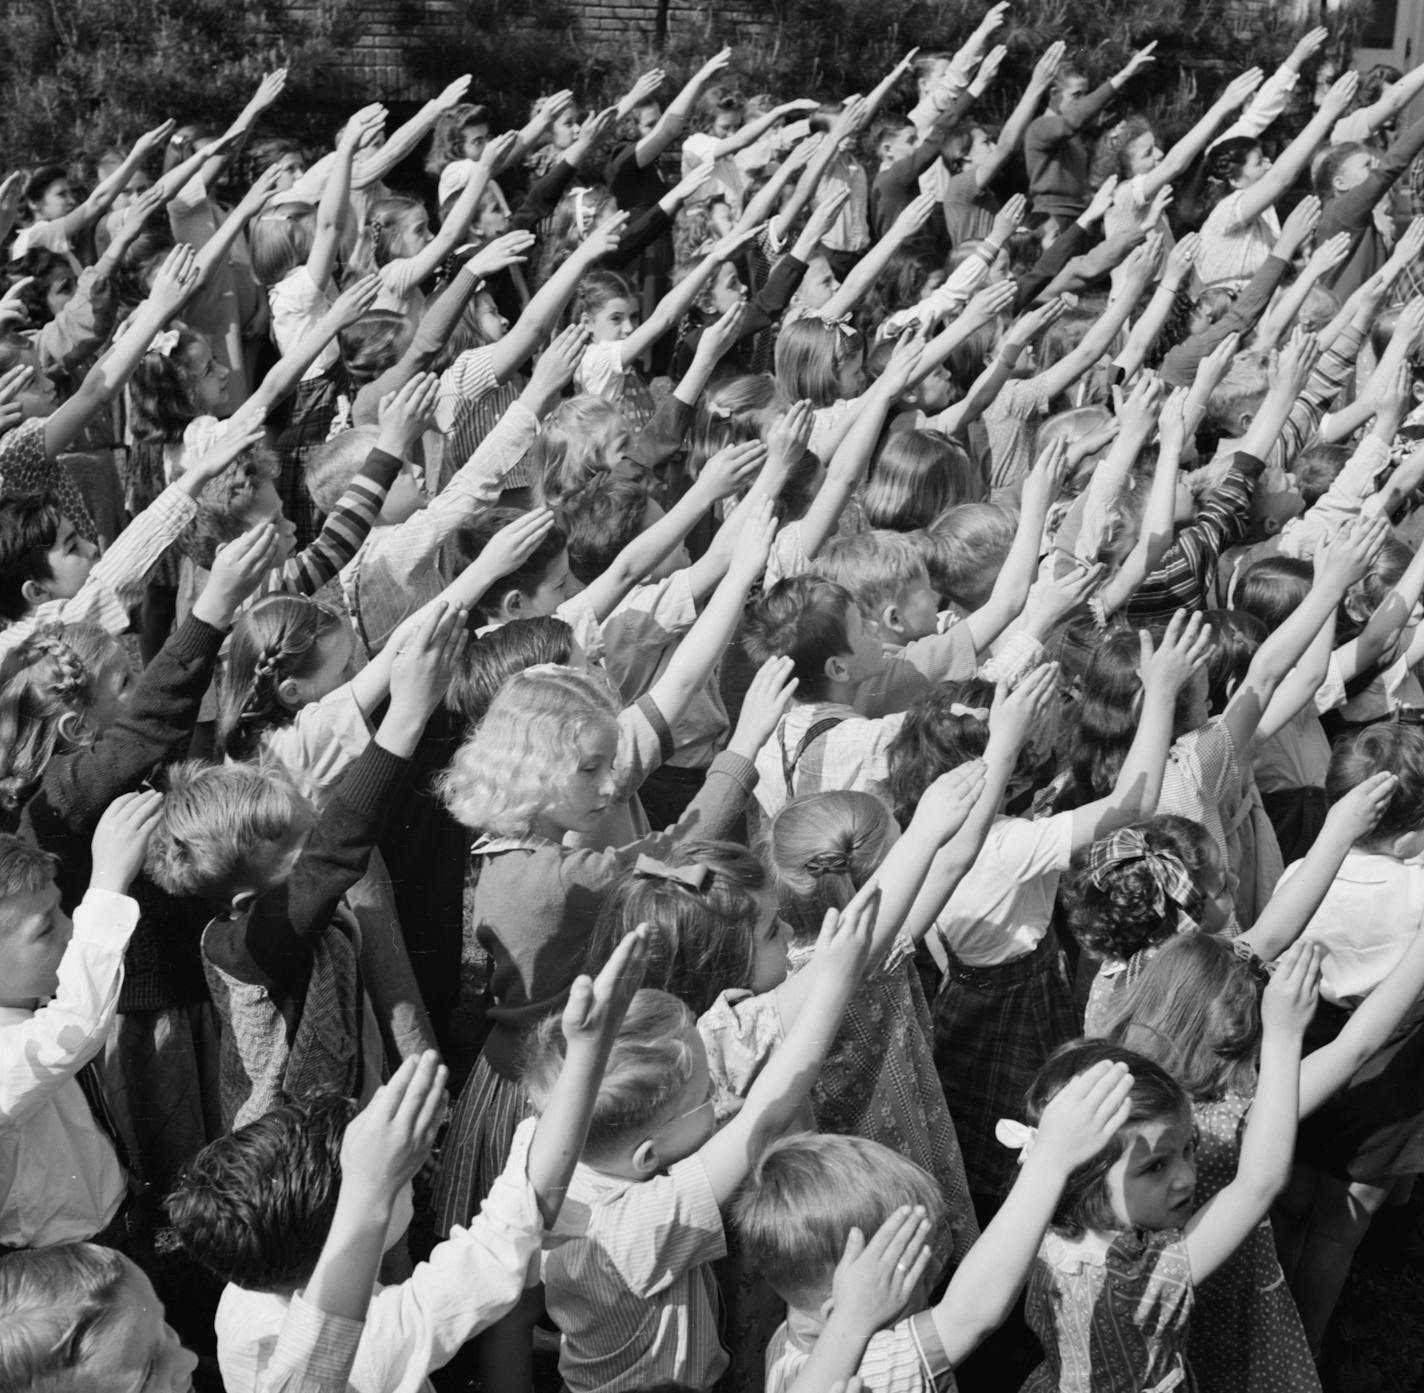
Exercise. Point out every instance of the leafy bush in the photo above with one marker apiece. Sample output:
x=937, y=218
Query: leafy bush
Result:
x=80, y=75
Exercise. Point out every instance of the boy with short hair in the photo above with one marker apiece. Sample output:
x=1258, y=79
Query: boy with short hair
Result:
x=627, y=1269
x=264, y=1239
x=49, y=573
x=64, y=1179
x=808, y=1195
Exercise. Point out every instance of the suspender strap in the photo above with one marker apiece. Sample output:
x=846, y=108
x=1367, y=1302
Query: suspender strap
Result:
x=790, y=762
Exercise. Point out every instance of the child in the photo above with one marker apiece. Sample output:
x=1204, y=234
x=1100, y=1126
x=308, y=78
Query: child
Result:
x=262, y=1239
x=1363, y=1142
x=1196, y=1009
x=1006, y=1003
x=607, y=305
x=61, y=985
x=1054, y=150
x=1112, y=1289
x=80, y=1286
x=635, y=1312
x=811, y=1199
x=541, y=765
x=1242, y=187
x=294, y=250
x=282, y=972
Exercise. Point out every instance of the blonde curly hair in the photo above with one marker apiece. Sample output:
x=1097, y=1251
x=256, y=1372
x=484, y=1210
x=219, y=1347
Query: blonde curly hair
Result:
x=526, y=748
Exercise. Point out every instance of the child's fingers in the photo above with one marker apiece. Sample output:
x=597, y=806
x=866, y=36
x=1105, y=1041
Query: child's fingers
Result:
x=432, y=1111
x=417, y=1088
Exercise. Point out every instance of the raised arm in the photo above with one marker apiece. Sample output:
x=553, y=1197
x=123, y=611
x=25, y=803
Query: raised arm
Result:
x=867, y=270
x=1294, y=158
x=670, y=309
x=1179, y=158
x=103, y=382
x=1012, y=134
x=377, y=163
x=678, y=110
x=99, y=202
x=359, y=131
x=1221, y=1225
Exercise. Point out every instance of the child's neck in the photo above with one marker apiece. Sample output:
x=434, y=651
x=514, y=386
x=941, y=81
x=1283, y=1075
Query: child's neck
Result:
x=836, y=693
x=544, y=826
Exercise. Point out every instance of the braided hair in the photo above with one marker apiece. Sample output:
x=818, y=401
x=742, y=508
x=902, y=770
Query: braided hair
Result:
x=48, y=684
x=276, y=639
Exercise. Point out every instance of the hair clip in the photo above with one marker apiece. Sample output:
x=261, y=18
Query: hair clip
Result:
x=829, y=863
x=1017, y=1136
x=976, y=713
x=163, y=343
x=693, y=876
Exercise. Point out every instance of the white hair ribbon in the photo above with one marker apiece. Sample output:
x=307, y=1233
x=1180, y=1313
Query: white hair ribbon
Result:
x=164, y=343
x=976, y=713
x=582, y=196
x=1017, y=1136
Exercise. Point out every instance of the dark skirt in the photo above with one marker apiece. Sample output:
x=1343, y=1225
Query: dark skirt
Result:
x=993, y=1029
x=1372, y=1131
x=477, y=1144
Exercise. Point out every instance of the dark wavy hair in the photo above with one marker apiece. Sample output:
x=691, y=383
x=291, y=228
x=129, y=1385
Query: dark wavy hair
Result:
x=254, y=1207
x=1085, y=1202
x=1121, y=918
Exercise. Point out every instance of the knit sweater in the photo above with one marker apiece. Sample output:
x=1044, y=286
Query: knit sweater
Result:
x=1057, y=155
x=536, y=902
x=285, y=954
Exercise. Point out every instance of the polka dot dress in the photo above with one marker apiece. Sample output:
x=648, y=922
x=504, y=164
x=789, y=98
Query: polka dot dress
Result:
x=1245, y=1334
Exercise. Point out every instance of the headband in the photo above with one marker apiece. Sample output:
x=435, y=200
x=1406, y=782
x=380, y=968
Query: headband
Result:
x=691, y=877
x=974, y=713
x=1170, y=879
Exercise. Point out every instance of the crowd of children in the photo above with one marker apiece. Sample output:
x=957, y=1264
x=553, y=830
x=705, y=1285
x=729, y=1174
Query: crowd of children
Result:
x=850, y=676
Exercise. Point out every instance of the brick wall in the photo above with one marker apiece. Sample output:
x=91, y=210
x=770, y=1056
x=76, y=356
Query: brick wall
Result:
x=374, y=62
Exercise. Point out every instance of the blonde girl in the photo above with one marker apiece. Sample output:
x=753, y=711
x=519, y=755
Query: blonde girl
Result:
x=542, y=765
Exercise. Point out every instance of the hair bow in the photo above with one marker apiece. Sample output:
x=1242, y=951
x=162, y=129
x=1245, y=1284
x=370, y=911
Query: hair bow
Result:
x=693, y=876
x=974, y=713
x=164, y=343
x=582, y=214
x=1017, y=1136
x=839, y=322
x=1170, y=877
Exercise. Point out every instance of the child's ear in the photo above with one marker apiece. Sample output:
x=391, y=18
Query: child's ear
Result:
x=35, y=592
x=891, y=618
x=837, y=669
x=511, y=606
x=241, y=903
x=288, y=694
x=645, y=1157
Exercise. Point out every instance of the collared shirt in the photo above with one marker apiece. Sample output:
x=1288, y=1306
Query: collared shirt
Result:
x=314, y=1353
x=468, y=1283
x=297, y=302
x=909, y=1357
x=1370, y=915
x=1000, y=911
x=628, y=1279
x=854, y=754
x=63, y=1180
